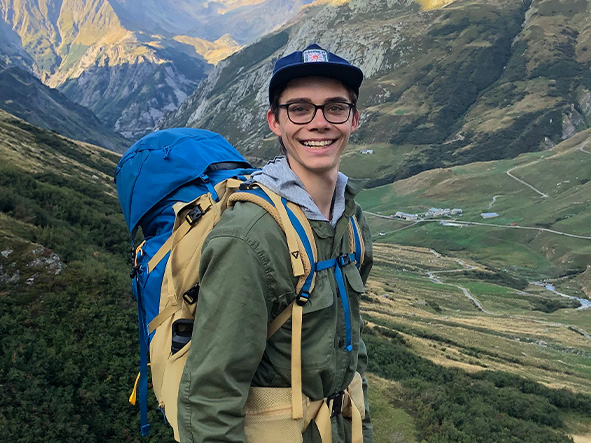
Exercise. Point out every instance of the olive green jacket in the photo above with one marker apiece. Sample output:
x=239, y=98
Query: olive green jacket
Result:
x=246, y=281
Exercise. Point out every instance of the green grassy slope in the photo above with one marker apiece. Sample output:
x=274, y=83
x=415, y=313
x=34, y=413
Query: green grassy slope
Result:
x=520, y=238
x=462, y=296
x=68, y=346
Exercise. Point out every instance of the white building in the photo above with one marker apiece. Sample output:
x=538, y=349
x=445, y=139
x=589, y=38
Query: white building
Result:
x=405, y=216
x=489, y=215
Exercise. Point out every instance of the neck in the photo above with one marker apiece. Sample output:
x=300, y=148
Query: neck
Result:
x=321, y=188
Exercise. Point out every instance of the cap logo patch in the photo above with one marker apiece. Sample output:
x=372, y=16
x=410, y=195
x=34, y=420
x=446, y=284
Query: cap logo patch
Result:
x=315, y=55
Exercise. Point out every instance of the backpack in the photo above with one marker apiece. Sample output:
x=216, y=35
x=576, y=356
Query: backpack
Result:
x=174, y=184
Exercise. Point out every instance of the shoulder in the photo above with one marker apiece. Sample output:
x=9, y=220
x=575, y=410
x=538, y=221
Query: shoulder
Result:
x=251, y=223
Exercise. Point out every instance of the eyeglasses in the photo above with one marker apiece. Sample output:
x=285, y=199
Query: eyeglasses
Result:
x=303, y=113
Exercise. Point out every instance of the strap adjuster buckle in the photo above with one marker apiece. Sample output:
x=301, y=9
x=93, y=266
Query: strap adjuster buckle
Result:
x=194, y=214
x=303, y=298
x=191, y=295
x=337, y=403
x=344, y=260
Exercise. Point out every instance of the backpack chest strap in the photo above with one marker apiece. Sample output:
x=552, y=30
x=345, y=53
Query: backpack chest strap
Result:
x=338, y=263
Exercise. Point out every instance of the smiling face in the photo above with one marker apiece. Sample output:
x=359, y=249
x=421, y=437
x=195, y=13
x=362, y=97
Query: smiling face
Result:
x=314, y=148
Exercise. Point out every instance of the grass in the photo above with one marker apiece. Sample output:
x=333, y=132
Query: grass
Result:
x=441, y=323
x=472, y=188
x=391, y=424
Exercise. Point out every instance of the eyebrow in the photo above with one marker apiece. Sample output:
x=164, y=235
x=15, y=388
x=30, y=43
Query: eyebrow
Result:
x=338, y=99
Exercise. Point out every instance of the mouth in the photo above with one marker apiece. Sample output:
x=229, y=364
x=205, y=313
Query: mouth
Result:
x=317, y=144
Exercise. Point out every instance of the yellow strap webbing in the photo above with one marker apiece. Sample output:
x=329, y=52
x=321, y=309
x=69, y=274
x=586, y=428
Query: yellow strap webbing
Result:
x=308, y=261
x=133, y=396
x=280, y=320
x=296, y=362
x=290, y=233
x=287, y=227
x=164, y=249
x=178, y=234
x=163, y=315
x=352, y=240
x=322, y=421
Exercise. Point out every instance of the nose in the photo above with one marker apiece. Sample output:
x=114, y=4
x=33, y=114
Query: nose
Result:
x=319, y=121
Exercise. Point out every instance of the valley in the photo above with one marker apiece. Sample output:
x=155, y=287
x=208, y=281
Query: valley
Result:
x=508, y=295
x=452, y=319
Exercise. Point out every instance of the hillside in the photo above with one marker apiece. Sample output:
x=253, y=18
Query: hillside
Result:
x=542, y=201
x=68, y=330
x=23, y=95
x=463, y=81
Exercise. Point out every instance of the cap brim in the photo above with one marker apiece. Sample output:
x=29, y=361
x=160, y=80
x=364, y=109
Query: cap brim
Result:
x=349, y=75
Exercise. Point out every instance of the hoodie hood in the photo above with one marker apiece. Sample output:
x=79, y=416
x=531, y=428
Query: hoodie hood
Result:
x=279, y=178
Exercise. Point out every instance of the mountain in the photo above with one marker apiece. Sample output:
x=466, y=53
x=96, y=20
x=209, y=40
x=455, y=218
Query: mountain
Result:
x=81, y=48
x=456, y=82
x=130, y=61
x=243, y=20
x=23, y=94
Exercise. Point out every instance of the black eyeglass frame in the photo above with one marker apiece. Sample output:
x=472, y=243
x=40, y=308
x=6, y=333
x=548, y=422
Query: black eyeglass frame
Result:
x=316, y=107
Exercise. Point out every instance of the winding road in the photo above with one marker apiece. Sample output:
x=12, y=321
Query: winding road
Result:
x=524, y=183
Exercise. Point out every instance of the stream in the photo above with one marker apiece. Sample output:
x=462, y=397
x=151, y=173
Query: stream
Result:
x=585, y=304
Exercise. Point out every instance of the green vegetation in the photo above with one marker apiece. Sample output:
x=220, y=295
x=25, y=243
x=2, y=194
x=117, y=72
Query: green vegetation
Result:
x=510, y=242
x=68, y=339
x=453, y=405
x=552, y=305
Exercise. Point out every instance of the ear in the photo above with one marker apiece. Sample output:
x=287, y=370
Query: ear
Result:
x=355, y=121
x=273, y=123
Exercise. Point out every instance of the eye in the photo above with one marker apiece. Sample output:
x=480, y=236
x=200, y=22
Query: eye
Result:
x=300, y=108
x=337, y=108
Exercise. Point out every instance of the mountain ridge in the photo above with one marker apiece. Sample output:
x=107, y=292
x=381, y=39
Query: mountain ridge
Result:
x=466, y=81
x=123, y=60
x=23, y=94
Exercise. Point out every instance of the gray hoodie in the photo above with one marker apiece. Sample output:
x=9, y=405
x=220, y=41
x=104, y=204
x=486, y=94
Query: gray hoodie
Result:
x=278, y=177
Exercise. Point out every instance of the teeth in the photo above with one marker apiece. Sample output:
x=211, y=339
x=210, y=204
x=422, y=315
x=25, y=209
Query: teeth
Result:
x=317, y=144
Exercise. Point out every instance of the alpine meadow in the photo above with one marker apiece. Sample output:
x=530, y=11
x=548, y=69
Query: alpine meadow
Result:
x=474, y=139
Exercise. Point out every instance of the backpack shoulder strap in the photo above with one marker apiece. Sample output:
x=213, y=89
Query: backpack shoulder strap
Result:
x=302, y=247
x=302, y=251
x=290, y=217
x=356, y=243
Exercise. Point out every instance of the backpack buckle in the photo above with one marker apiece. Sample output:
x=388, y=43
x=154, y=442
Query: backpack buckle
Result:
x=344, y=260
x=337, y=403
x=302, y=298
x=191, y=295
x=134, y=271
x=194, y=214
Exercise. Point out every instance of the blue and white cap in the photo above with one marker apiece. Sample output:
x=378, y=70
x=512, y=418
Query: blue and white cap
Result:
x=314, y=61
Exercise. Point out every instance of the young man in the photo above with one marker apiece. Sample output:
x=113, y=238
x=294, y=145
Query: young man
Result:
x=246, y=273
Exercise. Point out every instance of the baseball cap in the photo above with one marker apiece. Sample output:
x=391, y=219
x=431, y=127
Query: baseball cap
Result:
x=314, y=61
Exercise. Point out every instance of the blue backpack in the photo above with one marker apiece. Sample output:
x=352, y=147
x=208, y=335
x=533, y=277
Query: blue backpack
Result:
x=174, y=184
